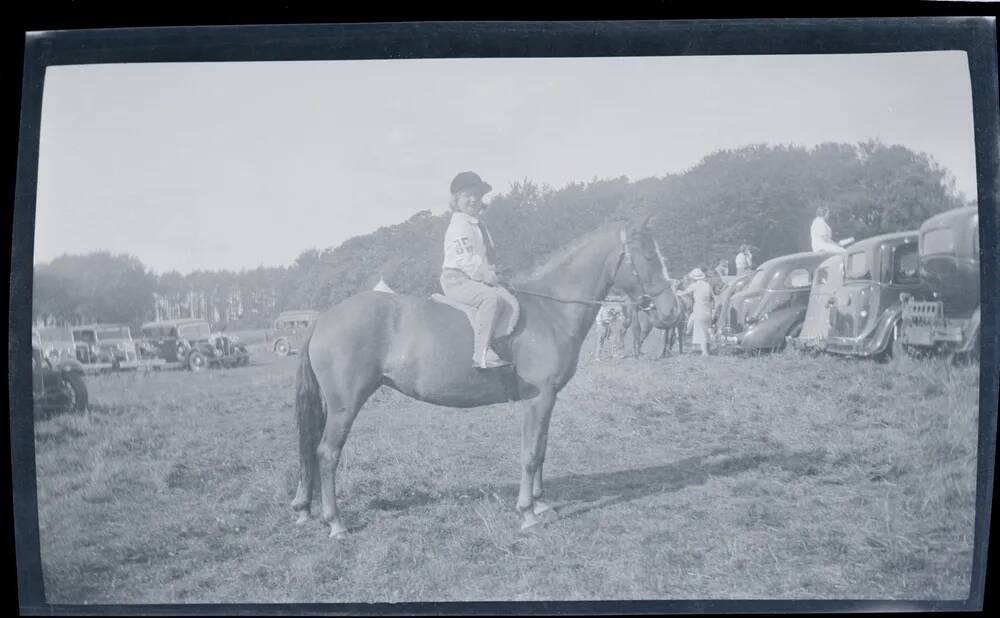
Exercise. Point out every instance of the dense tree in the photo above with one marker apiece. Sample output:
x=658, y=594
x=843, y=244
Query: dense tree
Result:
x=759, y=194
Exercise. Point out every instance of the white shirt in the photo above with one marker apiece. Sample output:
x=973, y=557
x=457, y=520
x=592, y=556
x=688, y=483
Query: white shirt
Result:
x=743, y=262
x=465, y=248
x=822, y=237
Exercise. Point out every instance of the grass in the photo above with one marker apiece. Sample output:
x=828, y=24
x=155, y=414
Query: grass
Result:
x=783, y=476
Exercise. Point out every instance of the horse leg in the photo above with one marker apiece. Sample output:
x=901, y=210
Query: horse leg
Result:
x=340, y=416
x=539, y=507
x=666, y=343
x=533, y=440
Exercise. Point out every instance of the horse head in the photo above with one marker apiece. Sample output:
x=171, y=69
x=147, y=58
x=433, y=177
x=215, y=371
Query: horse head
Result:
x=642, y=273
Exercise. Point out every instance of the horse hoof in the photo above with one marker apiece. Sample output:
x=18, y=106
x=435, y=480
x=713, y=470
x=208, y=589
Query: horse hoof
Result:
x=540, y=507
x=302, y=518
x=338, y=531
x=530, y=521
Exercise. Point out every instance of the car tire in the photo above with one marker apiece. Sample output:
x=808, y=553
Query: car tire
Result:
x=76, y=390
x=794, y=331
x=196, y=361
x=281, y=348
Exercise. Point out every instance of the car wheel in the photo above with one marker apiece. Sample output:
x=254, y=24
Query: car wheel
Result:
x=75, y=390
x=281, y=348
x=196, y=361
x=794, y=331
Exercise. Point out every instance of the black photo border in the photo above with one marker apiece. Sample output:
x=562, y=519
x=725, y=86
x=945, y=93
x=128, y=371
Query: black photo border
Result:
x=448, y=39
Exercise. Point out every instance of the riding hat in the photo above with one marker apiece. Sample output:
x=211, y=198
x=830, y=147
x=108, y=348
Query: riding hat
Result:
x=696, y=275
x=470, y=181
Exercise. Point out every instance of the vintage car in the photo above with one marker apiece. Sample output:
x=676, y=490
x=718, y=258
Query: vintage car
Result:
x=945, y=316
x=854, y=307
x=107, y=346
x=57, y=385
x=290, y=330
x=190, y=343
x=56, y=342
x=772, y=306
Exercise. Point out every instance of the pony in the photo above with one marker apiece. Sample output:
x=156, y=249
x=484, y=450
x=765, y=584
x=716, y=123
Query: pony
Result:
x=421, y=348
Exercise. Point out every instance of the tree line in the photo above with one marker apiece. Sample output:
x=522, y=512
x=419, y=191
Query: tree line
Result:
x=761, y=195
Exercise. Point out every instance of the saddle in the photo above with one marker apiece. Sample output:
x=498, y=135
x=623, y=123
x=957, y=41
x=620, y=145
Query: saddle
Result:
x=506, y=321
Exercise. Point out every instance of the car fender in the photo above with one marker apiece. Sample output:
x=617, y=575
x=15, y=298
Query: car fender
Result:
x=70, y=365
x=882, y=333
x=770, y=333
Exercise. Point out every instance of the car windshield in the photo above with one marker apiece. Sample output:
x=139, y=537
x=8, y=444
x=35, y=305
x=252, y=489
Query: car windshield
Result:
x=857, y=266
x=114, y=332
x=757, y=281
x=905, y=264
x=200, y=330
x=938, y=241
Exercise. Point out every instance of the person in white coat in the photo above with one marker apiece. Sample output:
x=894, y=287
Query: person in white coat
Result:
x=468, y=273
x=701, y=313
x=821, y=234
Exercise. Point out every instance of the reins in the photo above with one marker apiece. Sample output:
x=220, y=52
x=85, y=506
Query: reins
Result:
x=645, y=302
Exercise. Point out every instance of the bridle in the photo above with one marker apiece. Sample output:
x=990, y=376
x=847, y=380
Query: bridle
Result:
x=645, y=301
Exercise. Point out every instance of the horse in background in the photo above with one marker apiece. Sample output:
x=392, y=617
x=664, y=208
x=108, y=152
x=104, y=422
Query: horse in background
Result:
x=673, y=326
x=421, y=348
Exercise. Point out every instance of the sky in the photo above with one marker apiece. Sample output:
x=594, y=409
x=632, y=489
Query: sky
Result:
x=208, y=166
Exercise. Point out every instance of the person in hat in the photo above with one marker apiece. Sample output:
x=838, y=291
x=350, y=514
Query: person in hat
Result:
x=701, y=313
x=821, y=235
x=468, y=273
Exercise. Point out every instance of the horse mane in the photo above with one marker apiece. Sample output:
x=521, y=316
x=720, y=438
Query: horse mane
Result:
x=559, y=256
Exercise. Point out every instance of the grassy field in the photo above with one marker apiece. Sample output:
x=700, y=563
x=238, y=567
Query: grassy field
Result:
x=779, y=476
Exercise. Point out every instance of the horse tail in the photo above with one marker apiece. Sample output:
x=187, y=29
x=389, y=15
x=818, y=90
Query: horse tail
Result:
x=309, y=418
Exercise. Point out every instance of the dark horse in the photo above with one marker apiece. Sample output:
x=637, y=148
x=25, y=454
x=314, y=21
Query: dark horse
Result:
x=672, y=325
x=422, y=349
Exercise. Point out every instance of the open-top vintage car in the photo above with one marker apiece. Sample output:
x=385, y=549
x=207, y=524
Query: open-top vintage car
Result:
x=107, y=346
x=854, y=307
x=289, y=331
x=944, y=317
x=57, y=384
x=191, y=343
x=772, y=305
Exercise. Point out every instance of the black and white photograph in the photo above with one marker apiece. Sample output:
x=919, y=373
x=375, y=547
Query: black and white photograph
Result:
x=637, y=327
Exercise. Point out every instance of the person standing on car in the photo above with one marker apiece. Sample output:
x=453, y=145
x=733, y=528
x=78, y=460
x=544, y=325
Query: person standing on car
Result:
x=701, y=312
x=821, y=235
x=468, y=274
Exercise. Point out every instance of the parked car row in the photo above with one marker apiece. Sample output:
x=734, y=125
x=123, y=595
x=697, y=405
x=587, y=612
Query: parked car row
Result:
x=916, y=291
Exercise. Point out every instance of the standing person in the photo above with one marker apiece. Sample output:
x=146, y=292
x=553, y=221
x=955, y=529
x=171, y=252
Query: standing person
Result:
x=701, y=313
x=609, y=321
x=744, y=261
x=468, y=273
x=722, y=268
x=821, y=234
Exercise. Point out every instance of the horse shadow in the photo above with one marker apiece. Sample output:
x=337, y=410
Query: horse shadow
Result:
x=578, y=494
